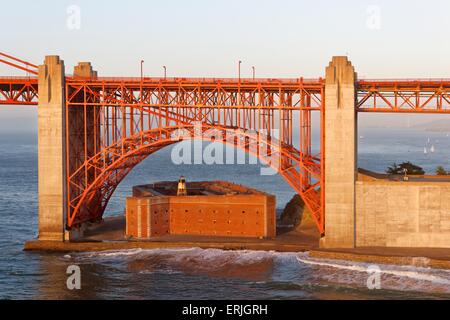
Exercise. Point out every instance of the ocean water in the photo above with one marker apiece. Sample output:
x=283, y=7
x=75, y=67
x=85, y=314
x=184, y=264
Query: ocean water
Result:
x=196, y=273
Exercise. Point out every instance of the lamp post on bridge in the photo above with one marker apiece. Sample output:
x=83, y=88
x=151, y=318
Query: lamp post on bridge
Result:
x=253, y=70
x=239, y=70
x=142, y=70
x=165, y=72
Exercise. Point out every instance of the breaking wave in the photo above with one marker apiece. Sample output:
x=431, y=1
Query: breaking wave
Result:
x=215, y=256
x=384, y=269
x=294, y=270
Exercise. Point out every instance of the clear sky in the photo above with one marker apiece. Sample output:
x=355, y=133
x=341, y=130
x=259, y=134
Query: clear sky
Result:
x=282, y=38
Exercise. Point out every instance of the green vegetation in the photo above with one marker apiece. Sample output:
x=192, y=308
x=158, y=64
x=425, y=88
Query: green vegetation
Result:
x=440, y=171
x=411, y=169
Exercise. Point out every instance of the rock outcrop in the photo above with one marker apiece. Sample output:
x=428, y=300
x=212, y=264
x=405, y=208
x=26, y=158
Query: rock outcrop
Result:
x=297, y=214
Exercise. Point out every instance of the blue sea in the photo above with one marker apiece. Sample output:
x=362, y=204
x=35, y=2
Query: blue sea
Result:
x=195, y=273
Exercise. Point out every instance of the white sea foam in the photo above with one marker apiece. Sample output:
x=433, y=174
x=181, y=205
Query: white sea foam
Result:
x=384, y=269
x=237, y=256
x=284, y=267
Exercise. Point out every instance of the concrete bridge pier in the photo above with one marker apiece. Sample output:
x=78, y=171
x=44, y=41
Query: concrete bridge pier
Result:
x=340, y=155
x=51, y=147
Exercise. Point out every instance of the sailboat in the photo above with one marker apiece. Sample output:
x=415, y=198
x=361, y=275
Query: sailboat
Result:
x=432, y=149
x=425, y=150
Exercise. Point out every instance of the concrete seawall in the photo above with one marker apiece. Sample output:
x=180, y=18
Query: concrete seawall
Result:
x=435, y=258
x=402, y=214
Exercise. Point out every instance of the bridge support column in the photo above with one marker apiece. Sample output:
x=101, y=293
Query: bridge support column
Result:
x=51, y=149
x=84, y=136
x=340, y=154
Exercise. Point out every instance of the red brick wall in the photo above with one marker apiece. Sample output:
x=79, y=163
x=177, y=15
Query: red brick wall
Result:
x=147, y=217
x=224, y=215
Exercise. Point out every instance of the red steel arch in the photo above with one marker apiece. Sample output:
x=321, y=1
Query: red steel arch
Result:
x=269, y=151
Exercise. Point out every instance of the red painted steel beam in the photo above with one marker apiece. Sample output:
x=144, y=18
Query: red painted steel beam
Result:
x=404, y=96
x=207, y=93
x=18, y=91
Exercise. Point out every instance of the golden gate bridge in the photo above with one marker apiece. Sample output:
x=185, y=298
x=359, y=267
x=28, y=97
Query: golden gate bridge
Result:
x=111, y=124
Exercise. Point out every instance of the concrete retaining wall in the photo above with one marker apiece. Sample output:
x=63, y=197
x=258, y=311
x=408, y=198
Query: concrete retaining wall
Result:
x=402, y=214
